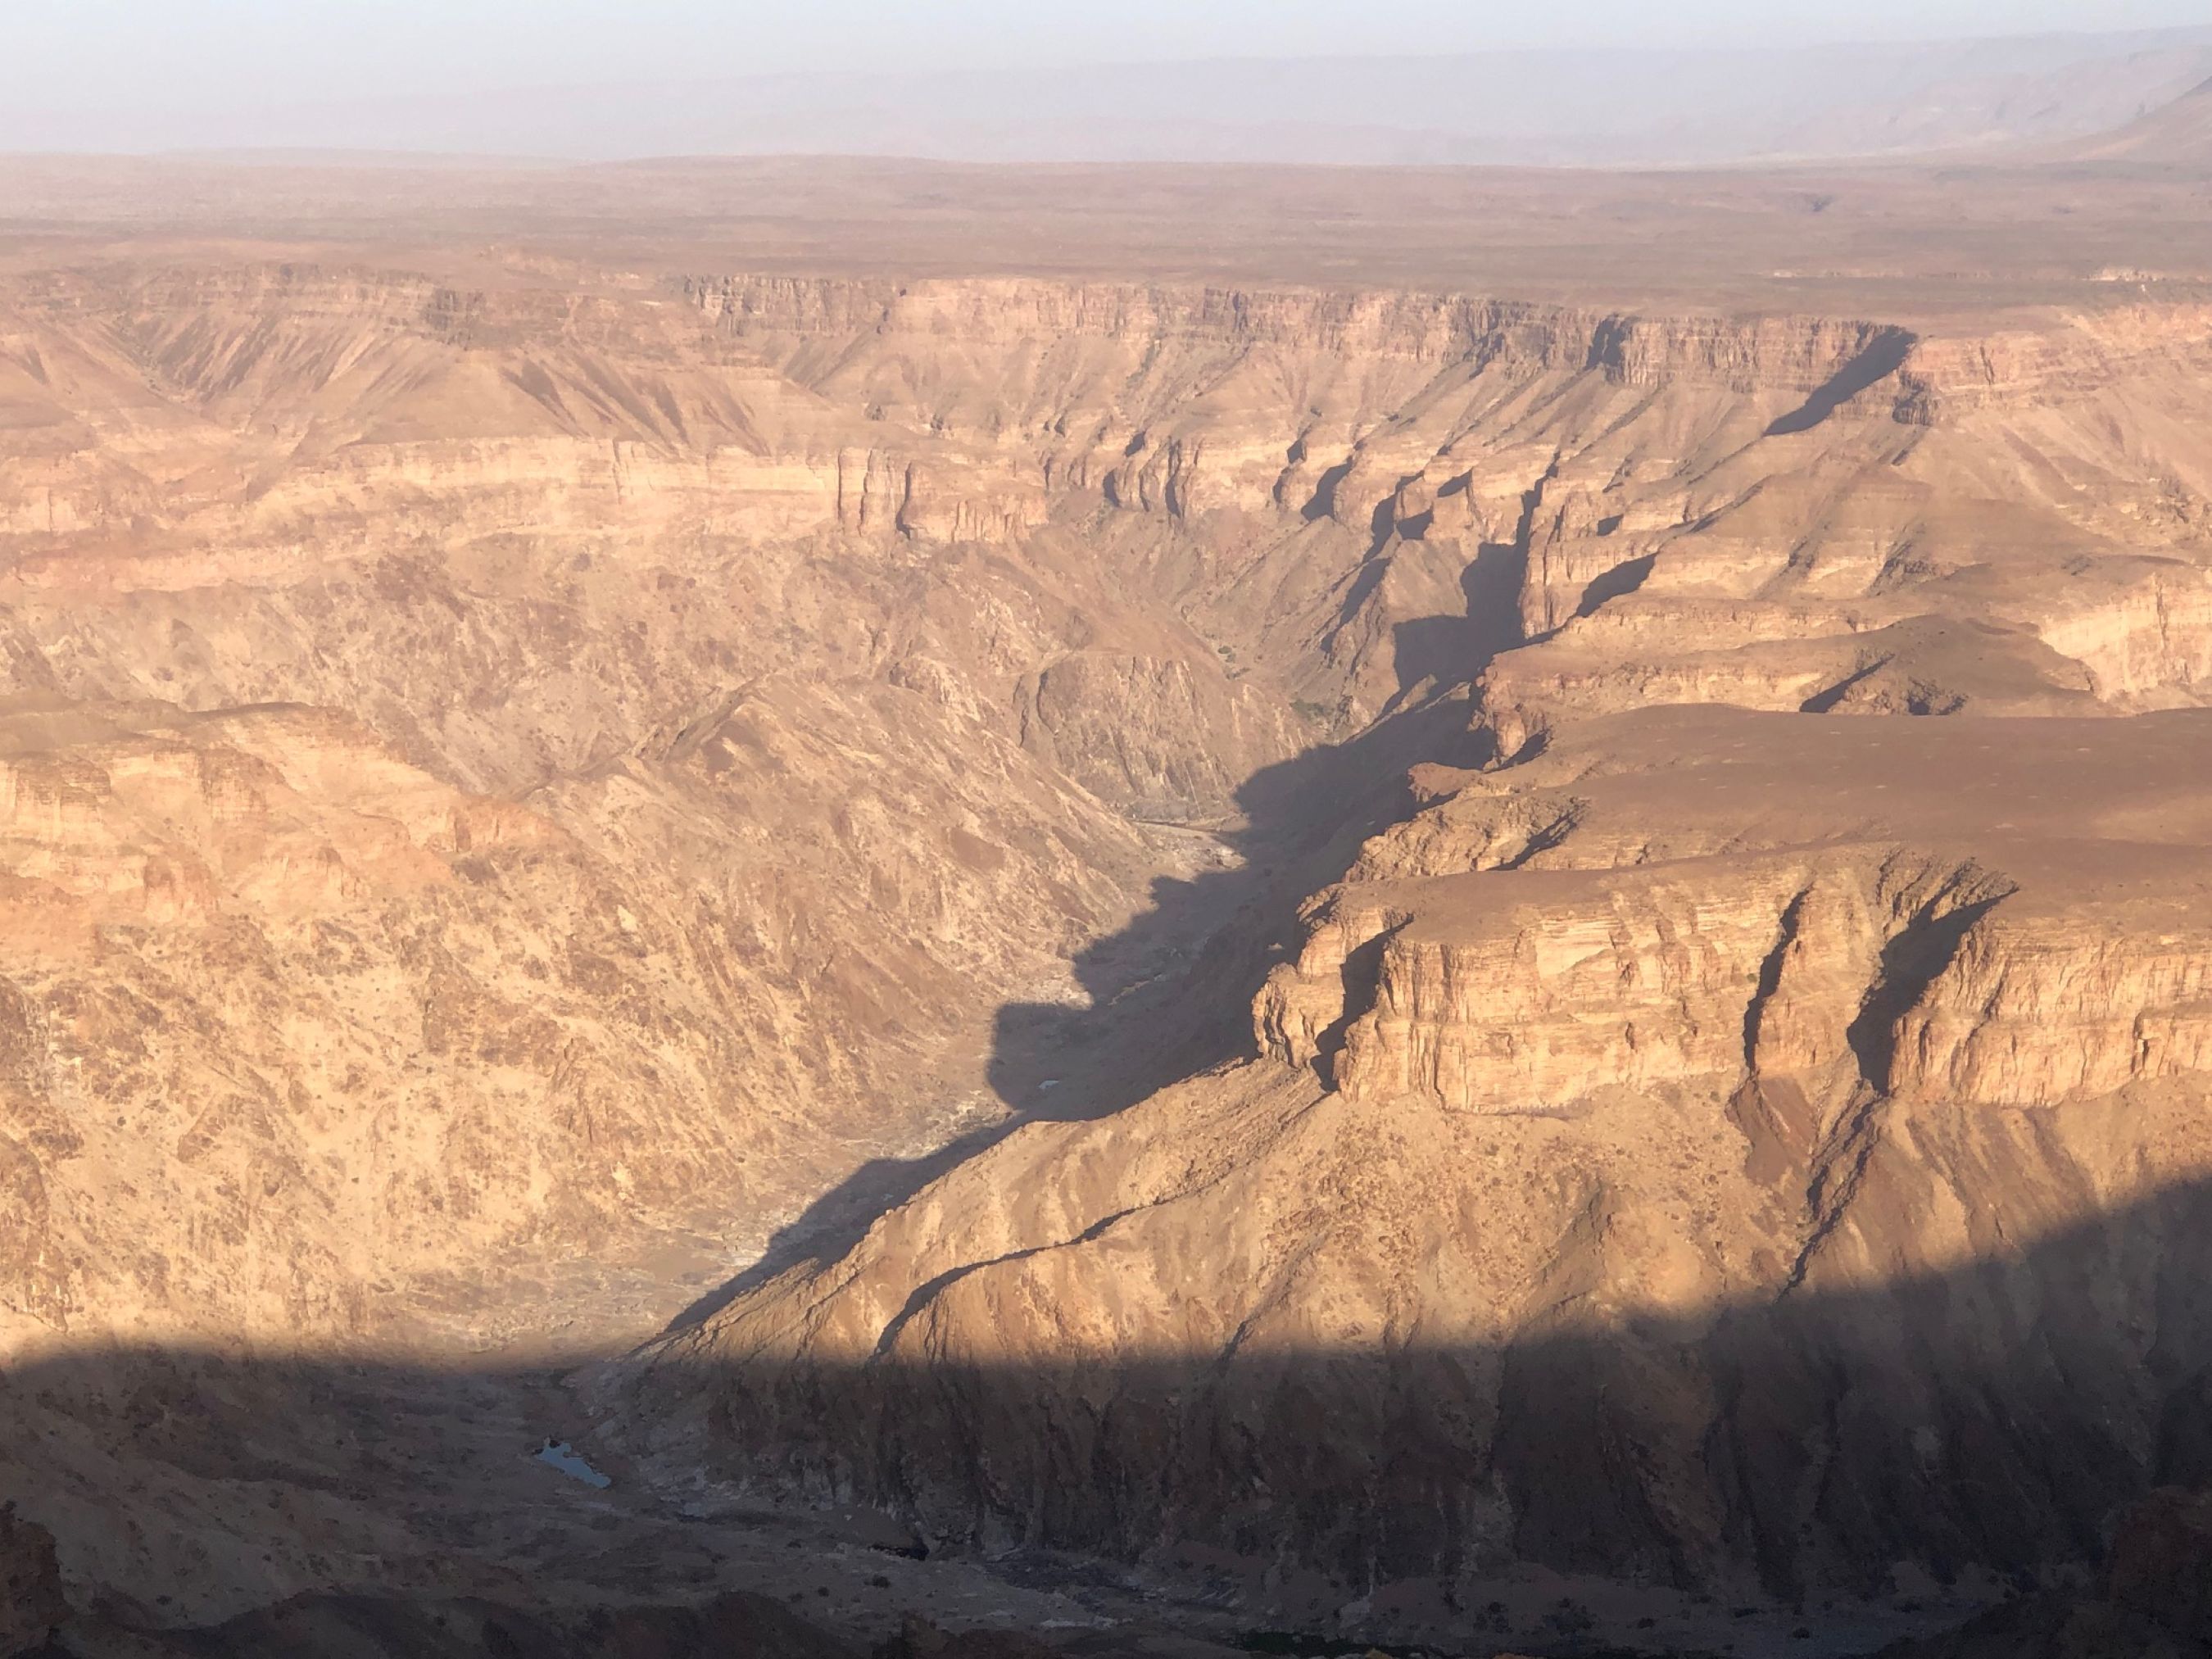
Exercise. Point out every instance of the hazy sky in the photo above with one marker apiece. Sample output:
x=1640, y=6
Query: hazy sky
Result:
x=95, y=54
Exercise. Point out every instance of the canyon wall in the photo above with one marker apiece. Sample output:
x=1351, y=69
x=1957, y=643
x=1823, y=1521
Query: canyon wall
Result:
x=1730, y=1183
x=514, y=790
x=1721, y=1142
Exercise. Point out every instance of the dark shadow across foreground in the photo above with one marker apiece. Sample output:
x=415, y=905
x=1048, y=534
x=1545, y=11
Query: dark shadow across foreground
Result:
x=1996, y=1416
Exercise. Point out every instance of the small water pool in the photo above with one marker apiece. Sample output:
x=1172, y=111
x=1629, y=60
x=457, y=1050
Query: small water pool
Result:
x=562, y=1456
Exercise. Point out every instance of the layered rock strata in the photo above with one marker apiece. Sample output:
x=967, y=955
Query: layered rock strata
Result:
x=551, y=773
x=1728, y=1147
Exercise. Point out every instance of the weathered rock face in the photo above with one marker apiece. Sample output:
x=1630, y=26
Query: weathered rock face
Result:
x=1615, y=929
x=1716, y=1166
x=273, y=993
x=2153, y=1600
x=31, y=1603
x=505, y=786
x=732, y=685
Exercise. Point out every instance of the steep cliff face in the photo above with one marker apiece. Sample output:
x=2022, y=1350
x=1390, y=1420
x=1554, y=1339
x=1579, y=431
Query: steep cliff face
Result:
x=1525, y=941
x=1202, y=498
x=506, y=787
x=1710, y=1151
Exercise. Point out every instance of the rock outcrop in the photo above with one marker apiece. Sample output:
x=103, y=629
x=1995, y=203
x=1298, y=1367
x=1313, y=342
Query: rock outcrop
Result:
x=1694, y=1169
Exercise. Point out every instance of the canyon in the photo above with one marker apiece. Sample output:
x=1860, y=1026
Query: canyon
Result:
x=1488, y=930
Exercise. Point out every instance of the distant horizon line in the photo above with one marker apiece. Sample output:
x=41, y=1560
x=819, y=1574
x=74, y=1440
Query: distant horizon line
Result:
x=2176, y=33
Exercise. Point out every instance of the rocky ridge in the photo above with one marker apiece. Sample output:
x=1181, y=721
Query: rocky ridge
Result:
x=1686, y=1074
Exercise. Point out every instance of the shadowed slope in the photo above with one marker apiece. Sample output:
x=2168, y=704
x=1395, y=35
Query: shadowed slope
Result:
x=1703, y=1010
x=1584, y=1411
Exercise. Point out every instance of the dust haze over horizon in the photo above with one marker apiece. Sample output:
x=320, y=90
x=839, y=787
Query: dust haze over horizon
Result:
x=1601, y=83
